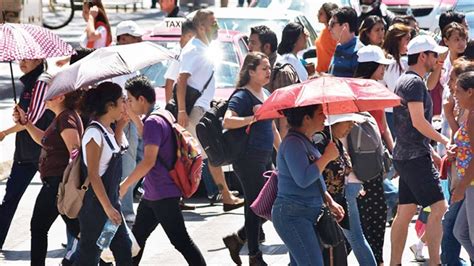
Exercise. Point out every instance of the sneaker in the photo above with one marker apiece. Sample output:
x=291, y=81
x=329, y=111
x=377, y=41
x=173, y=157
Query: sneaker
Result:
x=418, y=253
x=218, y=196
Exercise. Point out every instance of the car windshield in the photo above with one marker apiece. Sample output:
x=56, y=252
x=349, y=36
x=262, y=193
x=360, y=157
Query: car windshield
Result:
x=224, y=55
x=465, y=6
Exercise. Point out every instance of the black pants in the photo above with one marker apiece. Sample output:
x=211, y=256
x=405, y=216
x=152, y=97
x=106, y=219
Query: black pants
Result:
x=45, y=213
x=20, y=177
x=249, y=170
x=92, y=219
x=167, y=213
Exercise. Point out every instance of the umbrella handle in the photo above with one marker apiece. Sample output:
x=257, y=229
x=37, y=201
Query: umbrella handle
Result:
x=13, y=82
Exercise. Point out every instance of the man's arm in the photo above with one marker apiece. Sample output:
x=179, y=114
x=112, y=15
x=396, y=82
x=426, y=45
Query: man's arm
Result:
x=424, y=127
x=181, y=97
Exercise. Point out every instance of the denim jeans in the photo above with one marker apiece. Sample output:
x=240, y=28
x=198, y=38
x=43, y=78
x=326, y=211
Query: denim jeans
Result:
x=355, y=235
x=463, y=229
x=294, y=224
x=211, y=187
x=391, y=195
x=129, y=162
x=19, y=179
x=450, y=247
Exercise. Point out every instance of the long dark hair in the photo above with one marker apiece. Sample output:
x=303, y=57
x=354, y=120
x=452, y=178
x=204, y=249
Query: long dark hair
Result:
x=295, y=116
x=366, y=26
x=466, y=80
x=251, y=62
x=289, y=36
x=365, y=70
x=96, y=100
x=391, y=44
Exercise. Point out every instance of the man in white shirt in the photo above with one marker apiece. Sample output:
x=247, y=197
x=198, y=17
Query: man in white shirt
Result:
x=196, y=68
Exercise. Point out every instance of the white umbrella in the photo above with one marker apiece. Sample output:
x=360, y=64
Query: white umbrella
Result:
x=106, y=63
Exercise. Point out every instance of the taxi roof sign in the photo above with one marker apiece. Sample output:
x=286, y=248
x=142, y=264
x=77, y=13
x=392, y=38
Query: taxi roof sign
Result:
x=169, y=27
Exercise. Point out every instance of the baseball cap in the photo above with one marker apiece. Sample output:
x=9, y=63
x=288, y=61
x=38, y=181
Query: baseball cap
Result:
x=425, y=43
x=334, y=119
x=373, y=53
x=129, y=27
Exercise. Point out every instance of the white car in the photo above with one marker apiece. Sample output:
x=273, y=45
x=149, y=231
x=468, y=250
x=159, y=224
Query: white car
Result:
x=426, y=12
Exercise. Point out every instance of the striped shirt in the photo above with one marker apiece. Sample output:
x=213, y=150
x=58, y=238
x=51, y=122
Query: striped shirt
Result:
x=37, y=103
x=344, y=62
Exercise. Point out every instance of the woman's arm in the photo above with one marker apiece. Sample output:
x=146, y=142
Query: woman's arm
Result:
x=233, y=120
x=14, y=129
x=35, y=133
x=448, y=108
x=92, y=33
x=93, y=152
x=71, y=138
x=276, y=136
x=387, y=135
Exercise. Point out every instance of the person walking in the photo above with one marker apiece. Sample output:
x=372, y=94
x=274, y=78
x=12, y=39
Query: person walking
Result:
x=58, y=141
x=463, y=155
x=195, y=70
x=325, y=44
x=293, y=39
x=160, y=202
x=412, y=154
x=25, y=160
x=372, y=31
x=257, y=155
x=343, y=28
x=372, y=205
x=299, y=200
x=102, y=150
x=97, y=33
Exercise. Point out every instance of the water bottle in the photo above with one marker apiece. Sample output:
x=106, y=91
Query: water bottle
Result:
x=108, y=232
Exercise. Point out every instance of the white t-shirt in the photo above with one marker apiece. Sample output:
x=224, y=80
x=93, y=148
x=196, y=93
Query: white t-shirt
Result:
x=392, y=74
x=195, y=61
x=172, y=72
x=296, y=63
x=102, y=42
x=94, y=134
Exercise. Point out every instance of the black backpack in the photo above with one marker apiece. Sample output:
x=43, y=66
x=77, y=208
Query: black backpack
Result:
x=366, y=149
x=222, y=146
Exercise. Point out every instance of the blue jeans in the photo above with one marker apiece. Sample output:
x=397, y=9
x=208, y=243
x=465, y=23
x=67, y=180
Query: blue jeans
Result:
x=211, y=187
x=129, y=162
x=391, y=195
x=450, y=247
x=355, y=235
x=294, y=224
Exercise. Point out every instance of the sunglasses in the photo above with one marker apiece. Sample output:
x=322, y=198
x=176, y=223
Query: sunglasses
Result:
x=435, y=55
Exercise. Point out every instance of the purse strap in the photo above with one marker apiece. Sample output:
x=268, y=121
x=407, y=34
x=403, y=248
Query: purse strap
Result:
x=207, y=82
x=305, y=140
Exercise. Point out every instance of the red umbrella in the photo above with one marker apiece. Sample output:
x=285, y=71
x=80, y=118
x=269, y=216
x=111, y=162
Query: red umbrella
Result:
x=338, y=96
x=26, y=41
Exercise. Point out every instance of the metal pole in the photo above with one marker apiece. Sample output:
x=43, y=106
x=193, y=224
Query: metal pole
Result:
x=13, y=82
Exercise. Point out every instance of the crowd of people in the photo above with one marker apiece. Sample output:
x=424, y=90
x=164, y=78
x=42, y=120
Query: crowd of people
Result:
x=125, y=145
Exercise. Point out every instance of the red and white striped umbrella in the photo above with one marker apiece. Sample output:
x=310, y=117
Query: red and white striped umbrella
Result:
x=26, y=41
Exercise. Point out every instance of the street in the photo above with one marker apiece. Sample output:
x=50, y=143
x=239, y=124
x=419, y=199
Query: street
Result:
x=206, y=225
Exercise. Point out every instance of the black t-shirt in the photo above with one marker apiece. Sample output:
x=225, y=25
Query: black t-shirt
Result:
x=410, y=142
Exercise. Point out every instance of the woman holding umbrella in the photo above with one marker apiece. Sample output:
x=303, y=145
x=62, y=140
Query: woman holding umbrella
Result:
x=25, y=162
x=372, y=205
x=60, y=140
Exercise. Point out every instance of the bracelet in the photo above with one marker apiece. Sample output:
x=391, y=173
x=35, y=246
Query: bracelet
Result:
x=182, y=111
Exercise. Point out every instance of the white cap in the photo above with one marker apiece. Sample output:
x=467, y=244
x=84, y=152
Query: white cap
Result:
x=129, y=27
x=425, y=43
x=373, y=53
x=334, y=119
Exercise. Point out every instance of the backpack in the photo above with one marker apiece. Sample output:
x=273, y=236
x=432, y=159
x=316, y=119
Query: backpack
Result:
x=186, y=170
x=222, y=146
x=283, y=74
x=71, y=190
x=366, y=149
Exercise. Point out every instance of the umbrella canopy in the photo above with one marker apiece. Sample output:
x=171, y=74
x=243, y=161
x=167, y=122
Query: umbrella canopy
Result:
x=338, y=96
x=106, y=63
x=26, y=41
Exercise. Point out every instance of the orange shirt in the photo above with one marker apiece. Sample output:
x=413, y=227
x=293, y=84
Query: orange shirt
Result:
x=325, y=47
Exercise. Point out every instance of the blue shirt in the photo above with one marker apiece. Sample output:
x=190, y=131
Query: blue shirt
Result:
x=261, y=132
x=297, y=175
x=344, y=61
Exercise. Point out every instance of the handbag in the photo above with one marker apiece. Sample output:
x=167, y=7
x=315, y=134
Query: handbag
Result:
x=192, y=95
x=328, y=230
x=262, y=205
